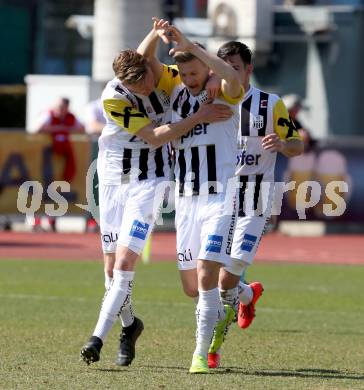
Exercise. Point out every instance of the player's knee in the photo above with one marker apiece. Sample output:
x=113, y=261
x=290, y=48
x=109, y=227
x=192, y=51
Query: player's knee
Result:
x=190, y=287
x=236, y=267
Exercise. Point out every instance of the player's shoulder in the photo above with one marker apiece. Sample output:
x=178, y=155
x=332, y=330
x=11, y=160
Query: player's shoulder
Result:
x=171, y=70
x=272, y=97
x=115, y=90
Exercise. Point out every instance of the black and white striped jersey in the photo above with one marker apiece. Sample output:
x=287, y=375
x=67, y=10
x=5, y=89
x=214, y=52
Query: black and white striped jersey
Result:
x=123, y=156
x=261, y=113
x=206, y=155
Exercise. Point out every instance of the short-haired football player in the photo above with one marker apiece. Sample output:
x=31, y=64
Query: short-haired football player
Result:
x=265, y=129
x=133, y=159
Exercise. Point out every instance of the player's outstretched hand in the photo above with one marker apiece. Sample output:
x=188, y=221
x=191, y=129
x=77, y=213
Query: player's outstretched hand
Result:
x=273, y=143
x=182, y=43
x=214, y=113
x=161, y=27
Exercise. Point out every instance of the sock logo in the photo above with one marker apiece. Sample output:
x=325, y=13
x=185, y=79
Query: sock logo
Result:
x=248, y=242
x=214, y=243
x=139, y=229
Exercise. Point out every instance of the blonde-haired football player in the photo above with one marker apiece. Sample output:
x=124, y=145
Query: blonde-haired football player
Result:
x=205, y=185
x=133, y=160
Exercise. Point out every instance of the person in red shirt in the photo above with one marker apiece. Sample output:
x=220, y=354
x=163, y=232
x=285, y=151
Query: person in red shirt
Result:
x=59, y=122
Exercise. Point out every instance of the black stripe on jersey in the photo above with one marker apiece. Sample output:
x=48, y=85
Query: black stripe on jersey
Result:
x=186, y=106
x=196, y=106
x=263, y=109
x=245, y=116
x=195, y=166
x=182, y=171
x=158, y=158
x=154, y=101
x=126, y=161
x=141, y=107
x=258, y=182
x=124, y=92
x=171, y=155
x=211, y=169
x=242, y=189
x=176, y=101
x=120, y=90
x=143, y=164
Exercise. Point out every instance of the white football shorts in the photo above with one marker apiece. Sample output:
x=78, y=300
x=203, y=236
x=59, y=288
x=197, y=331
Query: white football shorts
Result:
x=248, y=232
x=250, y=223
x=128, y=213
x=205, y=227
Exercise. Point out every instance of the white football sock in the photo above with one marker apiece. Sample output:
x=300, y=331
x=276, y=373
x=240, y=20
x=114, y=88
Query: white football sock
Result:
x=195, y=299
x=207, y=313
x=245, y=293
x=230, y=297
x=116, y=297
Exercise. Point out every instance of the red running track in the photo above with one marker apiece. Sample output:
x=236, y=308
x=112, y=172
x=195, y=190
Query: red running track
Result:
x=331, y=249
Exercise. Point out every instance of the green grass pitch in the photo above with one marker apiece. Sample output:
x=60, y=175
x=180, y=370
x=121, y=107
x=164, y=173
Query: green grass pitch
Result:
x=308, y=333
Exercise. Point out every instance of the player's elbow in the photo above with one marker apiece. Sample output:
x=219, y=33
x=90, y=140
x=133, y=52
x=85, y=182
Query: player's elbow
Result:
x=156, y=142
x=233, y=77
x=295, y=148
x=151, y=135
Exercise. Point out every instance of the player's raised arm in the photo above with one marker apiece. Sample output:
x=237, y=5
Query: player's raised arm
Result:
x=148, y=47
x=230, y=79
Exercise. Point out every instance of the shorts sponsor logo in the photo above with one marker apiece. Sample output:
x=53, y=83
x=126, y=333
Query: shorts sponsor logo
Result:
x=230, y=236
x=185, y=256
x=214, y=243
x=139, y=229
x=248, y=242
x=107, y=238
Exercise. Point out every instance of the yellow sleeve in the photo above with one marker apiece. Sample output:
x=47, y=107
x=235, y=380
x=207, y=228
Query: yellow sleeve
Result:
x=282, y=123
x=125, y=115
x=170, y=78
x=233, y=100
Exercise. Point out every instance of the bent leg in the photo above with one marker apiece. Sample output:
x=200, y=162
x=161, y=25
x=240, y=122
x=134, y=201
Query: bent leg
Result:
x=189, y=282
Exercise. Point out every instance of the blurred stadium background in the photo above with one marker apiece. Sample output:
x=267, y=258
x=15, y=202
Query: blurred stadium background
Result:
x=309, y=49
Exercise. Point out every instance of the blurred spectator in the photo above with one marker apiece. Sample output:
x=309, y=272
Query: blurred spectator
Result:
x=294, y=105
x=300, y=168
x=59, y=122
x=323, y=166
x=95, y=122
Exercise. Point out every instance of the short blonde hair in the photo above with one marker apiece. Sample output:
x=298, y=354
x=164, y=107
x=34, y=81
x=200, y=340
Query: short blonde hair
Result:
x=181, y=57
x=129, y=66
